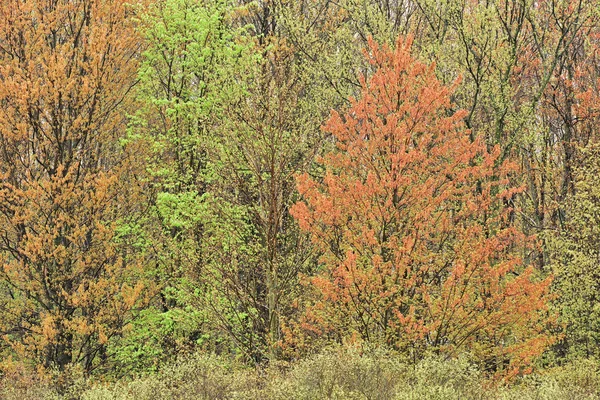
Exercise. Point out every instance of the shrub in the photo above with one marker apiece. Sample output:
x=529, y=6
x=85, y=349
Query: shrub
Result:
x=341, y=374
x=338, y=373
x=198, y=377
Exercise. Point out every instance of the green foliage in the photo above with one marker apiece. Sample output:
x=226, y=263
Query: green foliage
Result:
x=192, y=54
x=575, y=254
x=341, y=373
x=579, y=380
x=338, y=373
x=198, y=377
x=156, y=336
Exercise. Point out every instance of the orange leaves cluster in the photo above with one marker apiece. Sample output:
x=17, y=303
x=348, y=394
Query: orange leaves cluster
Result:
x=67, y=69
x=418, y=246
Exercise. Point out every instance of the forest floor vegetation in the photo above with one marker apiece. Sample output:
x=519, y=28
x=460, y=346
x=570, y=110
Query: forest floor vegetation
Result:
x=334, y=374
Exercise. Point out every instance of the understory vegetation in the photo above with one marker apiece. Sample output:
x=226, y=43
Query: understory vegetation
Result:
x=337, y=373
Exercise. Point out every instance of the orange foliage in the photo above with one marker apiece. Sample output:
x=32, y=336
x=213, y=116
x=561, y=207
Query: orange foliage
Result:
x=66, y=71
x=418, y=249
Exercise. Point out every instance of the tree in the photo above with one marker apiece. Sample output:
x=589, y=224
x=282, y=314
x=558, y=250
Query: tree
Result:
x=193, y=52
x=272, y=135
x=574, y=262
x=69, y=278
x=418, y=250
x=230, y=122
x=572, y=247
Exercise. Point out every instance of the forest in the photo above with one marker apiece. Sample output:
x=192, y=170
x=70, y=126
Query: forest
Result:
x=299, y=199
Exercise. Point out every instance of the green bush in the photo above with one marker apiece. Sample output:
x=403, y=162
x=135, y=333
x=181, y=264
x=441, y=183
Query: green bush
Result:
x=579, y=380
x=198, y=378
x=439, y=379
x=340, y=374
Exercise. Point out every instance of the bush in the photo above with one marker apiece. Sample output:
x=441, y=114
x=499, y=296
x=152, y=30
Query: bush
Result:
x=198, y=377
x=579, y=380
x=439, y=379
x=336, y=374
x=20, y=383
x=349, y=374
x=340, y=374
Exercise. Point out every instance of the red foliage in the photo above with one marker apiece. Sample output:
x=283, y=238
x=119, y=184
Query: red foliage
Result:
x=418, y=247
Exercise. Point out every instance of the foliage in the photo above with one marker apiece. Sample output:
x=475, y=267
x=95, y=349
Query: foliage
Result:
x=575, y=263
x=68, y=284
x=337, y=373
x=418, y=250
x=272, y=135
x=166, y=187
x=192, y=53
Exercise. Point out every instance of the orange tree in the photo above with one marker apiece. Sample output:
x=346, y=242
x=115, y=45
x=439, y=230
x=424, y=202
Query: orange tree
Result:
x=68, y=277
x=419, y=249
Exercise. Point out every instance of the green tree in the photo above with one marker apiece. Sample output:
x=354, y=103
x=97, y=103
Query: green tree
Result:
x=192, y=53
x=574, y=262
x=273, y=134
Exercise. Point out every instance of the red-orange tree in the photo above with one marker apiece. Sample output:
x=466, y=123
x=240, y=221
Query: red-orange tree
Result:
x=67, y=279
x=418, y=248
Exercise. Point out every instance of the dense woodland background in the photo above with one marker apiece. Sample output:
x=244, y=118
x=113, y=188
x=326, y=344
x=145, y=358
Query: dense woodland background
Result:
x=256, y=182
